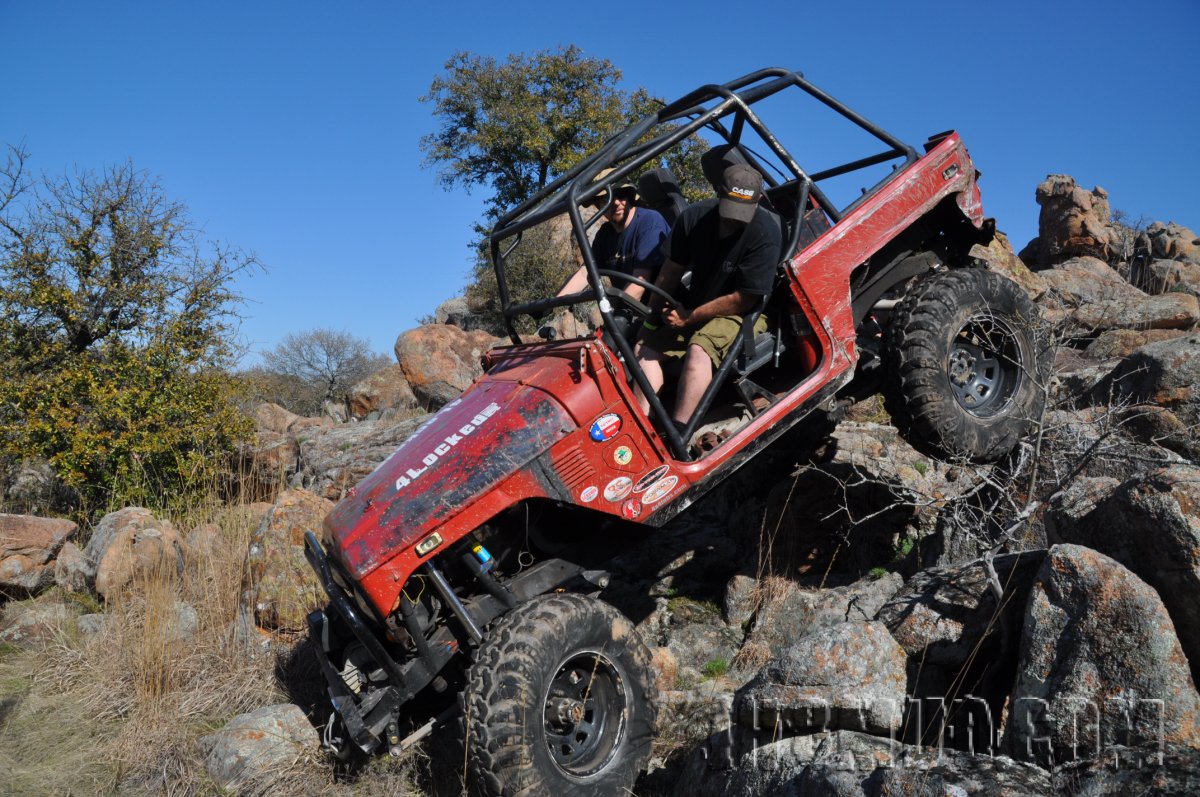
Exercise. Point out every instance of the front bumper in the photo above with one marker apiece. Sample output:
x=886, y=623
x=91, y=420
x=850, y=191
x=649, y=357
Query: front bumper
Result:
x=366, y=713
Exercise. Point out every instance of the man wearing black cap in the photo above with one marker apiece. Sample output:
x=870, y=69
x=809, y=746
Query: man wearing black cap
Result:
x=732, y=247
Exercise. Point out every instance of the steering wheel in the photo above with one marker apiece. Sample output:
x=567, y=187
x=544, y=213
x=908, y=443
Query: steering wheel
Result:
x=621, y=297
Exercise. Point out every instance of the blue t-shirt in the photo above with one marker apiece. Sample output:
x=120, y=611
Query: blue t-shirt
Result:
x=638, y=247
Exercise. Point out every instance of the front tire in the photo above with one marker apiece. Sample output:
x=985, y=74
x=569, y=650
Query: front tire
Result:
x=967, y=363
x=559, y=700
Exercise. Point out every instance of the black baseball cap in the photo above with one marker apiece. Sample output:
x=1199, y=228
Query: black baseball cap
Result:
x=740, y=190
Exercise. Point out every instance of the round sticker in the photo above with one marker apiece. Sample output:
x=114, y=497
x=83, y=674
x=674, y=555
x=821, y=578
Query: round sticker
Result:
x=622, y=455
x=618, y=488
x=660, y=490
x=631, y=508
x=605, y=427
x=650, y=478
x=589, y=494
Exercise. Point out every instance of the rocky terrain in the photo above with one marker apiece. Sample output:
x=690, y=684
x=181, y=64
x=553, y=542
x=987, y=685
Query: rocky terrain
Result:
x=858, y=620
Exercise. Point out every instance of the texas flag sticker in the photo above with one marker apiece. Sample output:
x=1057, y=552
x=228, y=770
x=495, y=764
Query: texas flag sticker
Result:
x=605, y=427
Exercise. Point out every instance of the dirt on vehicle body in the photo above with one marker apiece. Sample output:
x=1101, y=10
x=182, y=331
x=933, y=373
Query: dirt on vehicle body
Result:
x=466, y=564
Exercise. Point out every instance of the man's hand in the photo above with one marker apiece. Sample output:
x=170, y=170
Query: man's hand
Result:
x=677, y=317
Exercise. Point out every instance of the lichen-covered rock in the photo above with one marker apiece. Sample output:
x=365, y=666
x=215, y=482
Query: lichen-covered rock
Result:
x=28, y=546
x=1173, y=242
x=37, y=622
x=1072, y=221
x=279, y=588
x=1100, y=665
x=131, y=544
x=790, y=613
x=72, y=570
x=849, y=676
x=337, y=458
x=1150, y=523
x=440, y=361
x=1115, y=343
x=851, y=764
x=999, y=255
x=1166, y=373
x=1087, y=296
x=952, y=627
x=383, y=390
x=255, y=748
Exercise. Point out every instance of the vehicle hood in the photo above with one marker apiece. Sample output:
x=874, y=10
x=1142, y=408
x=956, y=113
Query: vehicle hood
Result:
x=471, y=444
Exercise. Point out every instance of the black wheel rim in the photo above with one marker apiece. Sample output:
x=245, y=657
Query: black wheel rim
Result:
x=585, y=710
x=984, y=365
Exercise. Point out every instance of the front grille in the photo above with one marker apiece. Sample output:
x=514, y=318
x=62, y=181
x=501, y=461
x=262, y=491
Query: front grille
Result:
x=574, y=470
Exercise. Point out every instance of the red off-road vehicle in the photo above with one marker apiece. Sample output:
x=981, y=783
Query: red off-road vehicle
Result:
x=467, y=563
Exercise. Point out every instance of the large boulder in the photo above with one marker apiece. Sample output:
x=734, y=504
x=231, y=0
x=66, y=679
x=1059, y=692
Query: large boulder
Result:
x=272, y=459
x=334, y=459
x=28, y=547
x=37, y=622
x=848, y=676
x=1165, y=372
x=1120, y=343
x=1163, y=276
x=256, y=748
x=1150, y=523
x=1173, y=242
x=457, y=312
x=788, y=612
x=383, y=390
x=441, y=361
x=1100, y=666
x=274, y=418
x=1086, y=296
x=132, y=544
x=279, y=588
x=850, y=764
x=954, y=630
x=1072, y=221
x=1001, y=258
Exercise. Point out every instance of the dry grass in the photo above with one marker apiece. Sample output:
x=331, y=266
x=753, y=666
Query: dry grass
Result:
x=122, y=710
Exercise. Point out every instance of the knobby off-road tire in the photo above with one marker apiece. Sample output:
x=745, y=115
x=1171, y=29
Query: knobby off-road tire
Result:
x=559, y=700
x=967, y=361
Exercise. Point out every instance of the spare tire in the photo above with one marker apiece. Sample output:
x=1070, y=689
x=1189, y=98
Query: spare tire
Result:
x=559, y=700
x=967, y=362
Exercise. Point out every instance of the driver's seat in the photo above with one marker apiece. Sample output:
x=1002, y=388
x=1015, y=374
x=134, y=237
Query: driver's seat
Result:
x=660, y=192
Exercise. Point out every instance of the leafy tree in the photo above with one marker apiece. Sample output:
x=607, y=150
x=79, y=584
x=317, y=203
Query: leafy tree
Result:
x=514, y=125
x=116, y=330
x=306, y=369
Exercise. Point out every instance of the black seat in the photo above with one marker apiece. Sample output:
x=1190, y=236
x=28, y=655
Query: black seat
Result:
x=660, y=191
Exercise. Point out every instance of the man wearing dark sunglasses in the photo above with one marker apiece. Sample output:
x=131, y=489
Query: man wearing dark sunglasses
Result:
x=629, y=241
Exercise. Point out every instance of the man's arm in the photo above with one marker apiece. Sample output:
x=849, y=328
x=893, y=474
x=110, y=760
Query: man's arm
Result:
x=736, y=303
x=577, y=282
x=669, y=278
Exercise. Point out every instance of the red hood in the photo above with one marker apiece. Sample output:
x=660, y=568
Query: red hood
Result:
x=474, y=442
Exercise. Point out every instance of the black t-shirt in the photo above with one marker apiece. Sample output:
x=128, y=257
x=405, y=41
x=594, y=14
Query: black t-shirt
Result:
x=695, y=243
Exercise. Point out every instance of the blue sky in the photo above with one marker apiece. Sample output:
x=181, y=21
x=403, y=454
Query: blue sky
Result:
x=290, y=129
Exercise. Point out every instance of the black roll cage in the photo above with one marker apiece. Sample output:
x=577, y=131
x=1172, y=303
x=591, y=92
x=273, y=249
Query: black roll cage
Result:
x=706, y=107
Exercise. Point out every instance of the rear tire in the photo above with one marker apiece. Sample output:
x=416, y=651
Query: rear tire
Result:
x=966, y=362
x=559, y=700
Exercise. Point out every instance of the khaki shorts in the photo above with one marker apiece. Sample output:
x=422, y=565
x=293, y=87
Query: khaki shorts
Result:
x=716, y=337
